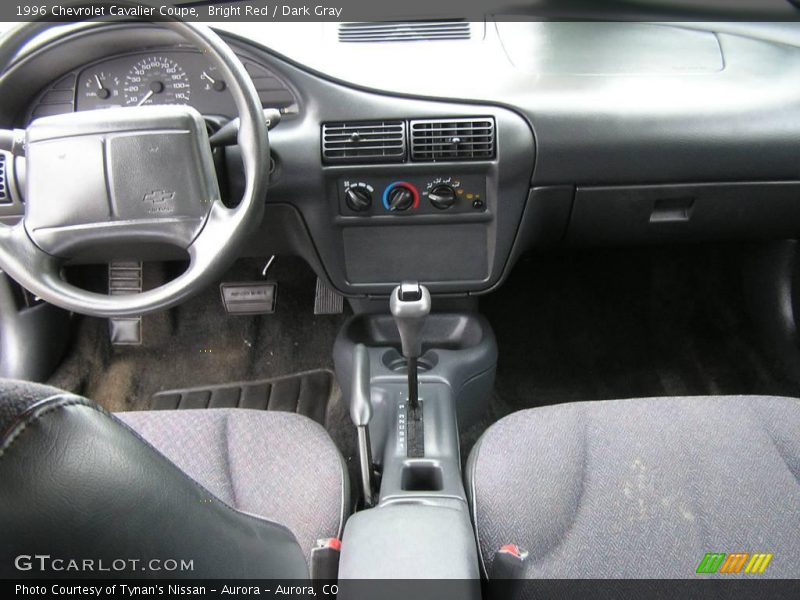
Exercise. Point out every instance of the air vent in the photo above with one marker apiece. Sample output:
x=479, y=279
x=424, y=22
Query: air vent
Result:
x=366, y=141
x=414, y=31
x=5, y=195
x=452, y=139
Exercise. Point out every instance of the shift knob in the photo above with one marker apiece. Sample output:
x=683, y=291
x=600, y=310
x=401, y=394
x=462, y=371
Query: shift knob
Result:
x=410, y=305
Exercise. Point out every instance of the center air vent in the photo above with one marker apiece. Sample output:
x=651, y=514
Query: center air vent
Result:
x=364, y=142
x=453, y=139
x=414, y=31
x=5, y=196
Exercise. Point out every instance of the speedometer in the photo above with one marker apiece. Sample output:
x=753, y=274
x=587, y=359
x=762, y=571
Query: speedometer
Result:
x=156, y=80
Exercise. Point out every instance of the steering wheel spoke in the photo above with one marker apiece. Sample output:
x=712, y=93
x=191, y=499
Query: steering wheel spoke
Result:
x=18, y=254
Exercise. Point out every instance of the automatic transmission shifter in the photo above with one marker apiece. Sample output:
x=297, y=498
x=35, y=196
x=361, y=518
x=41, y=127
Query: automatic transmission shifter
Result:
x=410, y=305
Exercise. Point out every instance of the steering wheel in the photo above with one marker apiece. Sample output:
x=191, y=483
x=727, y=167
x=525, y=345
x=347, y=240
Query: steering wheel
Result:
x=105, y=183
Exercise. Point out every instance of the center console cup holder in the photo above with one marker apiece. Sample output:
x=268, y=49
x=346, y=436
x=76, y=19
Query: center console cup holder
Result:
x=421, y=477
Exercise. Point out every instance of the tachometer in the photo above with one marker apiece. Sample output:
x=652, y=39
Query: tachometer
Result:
x=156, y=80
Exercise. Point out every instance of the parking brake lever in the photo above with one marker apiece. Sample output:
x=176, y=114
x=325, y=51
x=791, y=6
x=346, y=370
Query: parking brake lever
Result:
x=361, y=415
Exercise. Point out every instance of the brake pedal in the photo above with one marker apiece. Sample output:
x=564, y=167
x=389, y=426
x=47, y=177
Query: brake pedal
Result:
x=249, y=298
x=125, y=277
x=327, y=301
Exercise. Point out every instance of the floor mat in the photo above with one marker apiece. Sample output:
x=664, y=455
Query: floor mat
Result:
x=625, y=323
x=198, y=344
x=307, y=394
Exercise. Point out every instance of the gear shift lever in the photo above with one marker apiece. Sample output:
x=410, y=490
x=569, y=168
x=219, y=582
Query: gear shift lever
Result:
x=410, y=305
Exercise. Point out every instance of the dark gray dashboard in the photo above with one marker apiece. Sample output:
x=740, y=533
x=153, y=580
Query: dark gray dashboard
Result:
x=604, y=133
x=610, y=103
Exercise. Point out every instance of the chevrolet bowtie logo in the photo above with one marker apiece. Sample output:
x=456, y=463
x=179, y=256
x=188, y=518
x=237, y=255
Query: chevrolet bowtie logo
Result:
x=158, y=197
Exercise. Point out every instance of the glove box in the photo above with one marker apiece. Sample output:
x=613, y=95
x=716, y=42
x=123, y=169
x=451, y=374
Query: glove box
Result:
x=692, y=212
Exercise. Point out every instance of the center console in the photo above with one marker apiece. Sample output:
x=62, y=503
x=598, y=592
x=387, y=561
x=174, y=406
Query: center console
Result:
x=417, y=524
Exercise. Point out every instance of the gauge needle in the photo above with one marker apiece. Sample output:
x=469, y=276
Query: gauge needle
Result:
x=208, y=77
x=146, y=97
x=99, y=83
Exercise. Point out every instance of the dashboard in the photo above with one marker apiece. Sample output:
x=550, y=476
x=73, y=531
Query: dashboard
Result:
x=444, y=161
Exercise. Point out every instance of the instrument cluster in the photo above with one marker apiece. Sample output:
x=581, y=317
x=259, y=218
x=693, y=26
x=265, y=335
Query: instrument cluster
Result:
x=158, y=78
x=164, y=77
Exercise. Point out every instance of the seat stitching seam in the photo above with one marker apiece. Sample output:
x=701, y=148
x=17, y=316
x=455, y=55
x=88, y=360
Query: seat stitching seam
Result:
x=36, y=411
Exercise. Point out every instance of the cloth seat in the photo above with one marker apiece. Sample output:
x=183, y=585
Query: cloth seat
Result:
x=237, y=493
x=640, y=488
x=279, y=466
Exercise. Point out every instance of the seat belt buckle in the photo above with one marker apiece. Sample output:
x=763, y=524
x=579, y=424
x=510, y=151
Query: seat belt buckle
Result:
x=325, y=559
x=509, y=562
x=507, y=573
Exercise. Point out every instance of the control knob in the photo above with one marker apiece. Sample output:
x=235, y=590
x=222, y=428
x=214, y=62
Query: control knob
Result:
x=400, y=198
x=358, y=198
x=442, y=196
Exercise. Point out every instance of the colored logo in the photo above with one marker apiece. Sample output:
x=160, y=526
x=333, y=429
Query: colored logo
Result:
x=737, y=562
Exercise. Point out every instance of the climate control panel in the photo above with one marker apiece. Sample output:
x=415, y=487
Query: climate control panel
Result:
x=419, y=195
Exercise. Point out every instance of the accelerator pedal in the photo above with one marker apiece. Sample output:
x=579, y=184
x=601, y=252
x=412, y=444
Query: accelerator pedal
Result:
x=327, y=301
